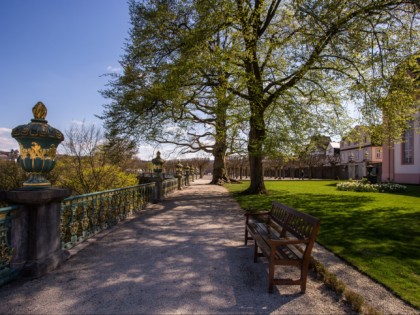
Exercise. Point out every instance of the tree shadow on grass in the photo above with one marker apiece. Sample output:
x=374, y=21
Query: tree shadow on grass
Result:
x=350, y=226
x=333, y=184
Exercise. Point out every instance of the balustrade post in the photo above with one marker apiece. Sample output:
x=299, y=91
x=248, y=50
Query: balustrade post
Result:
x=19, y=237
x=36, y=229
x=179, y=175
x=157, y=177
x=187, y=174
x=158, y=197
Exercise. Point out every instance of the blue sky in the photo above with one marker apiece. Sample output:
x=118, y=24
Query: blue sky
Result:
x=57, y=51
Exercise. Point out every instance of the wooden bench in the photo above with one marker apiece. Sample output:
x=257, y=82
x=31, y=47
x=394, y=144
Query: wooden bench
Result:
x=285, y=236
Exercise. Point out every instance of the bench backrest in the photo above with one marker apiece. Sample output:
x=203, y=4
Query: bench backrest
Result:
x=280, y=213
x=301, y=225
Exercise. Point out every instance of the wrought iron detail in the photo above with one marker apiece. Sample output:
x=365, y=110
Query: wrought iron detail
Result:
x=85, y=215
x=6, y=250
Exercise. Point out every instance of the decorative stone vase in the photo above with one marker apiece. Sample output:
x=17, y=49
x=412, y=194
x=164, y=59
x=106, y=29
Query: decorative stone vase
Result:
x=179, y=170
x=157, y=164
x=38, y=143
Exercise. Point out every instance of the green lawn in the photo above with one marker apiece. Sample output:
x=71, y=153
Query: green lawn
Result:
x=379, y=233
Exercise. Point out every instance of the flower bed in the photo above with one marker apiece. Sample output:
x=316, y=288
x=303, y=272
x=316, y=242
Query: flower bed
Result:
x=365, y=186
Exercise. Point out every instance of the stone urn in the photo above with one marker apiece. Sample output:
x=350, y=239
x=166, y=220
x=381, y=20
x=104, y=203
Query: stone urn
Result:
x=158, y=164
x=38, y=143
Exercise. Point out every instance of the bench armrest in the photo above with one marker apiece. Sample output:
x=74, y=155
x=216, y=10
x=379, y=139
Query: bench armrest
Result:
x=257, y=214
x=248, y=214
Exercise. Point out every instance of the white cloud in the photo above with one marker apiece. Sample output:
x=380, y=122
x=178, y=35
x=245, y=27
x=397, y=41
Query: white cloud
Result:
x=7, y=143
x=78, y=122
x=146, y=152
x=114, y=69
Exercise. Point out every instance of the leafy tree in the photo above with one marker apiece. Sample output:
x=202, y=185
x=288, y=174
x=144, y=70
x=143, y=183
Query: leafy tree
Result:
x=119, y=151
x=401, y=102
x=305, y=47
x=84, y=166
x=11, y=175
x=300, y=59
x=174, y=89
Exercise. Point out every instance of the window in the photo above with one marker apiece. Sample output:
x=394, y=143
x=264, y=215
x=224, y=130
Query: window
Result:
x=408, y=146
x=378, y=153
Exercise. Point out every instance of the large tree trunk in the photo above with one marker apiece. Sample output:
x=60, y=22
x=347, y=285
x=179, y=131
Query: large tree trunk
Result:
x=220, y=146
x=255, y=151
x=257, y=178
x=219, y=169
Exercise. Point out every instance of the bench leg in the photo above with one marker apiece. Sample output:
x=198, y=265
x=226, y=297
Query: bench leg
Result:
x=255, y=252
x=271, y=274
x=246, y=236
x=303, y=277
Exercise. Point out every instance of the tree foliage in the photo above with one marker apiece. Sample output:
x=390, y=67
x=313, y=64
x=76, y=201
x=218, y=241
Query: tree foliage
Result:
x=174, y=89
x=11, y=175
x=84, y=166
x=295, y=64
x=401, y=102
x=326, y=51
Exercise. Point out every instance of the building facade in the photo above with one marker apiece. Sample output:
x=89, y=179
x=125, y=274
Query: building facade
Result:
x=358, y=151
x=401, y=161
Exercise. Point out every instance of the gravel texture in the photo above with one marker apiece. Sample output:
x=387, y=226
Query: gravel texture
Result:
x=184, y=256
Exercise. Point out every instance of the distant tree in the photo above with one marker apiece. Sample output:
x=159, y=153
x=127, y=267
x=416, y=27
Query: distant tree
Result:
x=119, y=151
x=11, y=175
x=84, y=166
x=201, y=163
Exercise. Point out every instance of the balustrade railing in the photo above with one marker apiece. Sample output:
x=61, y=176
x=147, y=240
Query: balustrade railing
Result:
x=85, y=215
x=82, y=217
x=169, y=186
x=6, y=250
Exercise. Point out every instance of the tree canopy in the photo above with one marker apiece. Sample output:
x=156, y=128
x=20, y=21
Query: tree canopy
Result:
x=287, y=63
x=174, y=89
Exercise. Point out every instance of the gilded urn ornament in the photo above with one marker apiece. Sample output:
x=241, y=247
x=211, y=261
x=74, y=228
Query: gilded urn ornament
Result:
x=158, y=164
x=38, y=143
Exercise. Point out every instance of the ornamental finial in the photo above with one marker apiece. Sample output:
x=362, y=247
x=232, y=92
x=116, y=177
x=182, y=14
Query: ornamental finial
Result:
x=39, y=111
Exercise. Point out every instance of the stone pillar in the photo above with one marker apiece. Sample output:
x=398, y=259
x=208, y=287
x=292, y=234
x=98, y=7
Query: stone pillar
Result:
x=179, y=182
x=364, y=168
x=352, y=171
x=36, y=229
x=158, y=189
x=19, y=237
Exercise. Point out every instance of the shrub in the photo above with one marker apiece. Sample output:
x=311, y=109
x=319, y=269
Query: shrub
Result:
x=355, y=300
x=12, y=175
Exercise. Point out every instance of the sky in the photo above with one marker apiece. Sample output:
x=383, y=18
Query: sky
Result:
x=58, y=52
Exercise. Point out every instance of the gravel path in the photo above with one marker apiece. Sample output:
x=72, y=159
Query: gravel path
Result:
x=183, y=256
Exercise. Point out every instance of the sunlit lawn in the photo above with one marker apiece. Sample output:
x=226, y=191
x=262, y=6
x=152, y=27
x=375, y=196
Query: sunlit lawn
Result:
x=377, y=232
